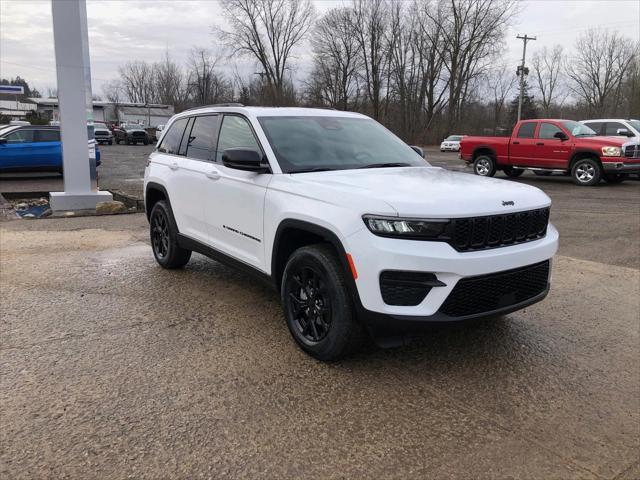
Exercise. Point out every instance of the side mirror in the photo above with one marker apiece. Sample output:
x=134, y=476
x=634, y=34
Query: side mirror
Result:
x=624, y=132
x=561, y=135
x=418, y=150
x=244, y=159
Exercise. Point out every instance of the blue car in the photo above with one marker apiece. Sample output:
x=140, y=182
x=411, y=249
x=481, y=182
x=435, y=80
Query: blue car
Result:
x=31, y=148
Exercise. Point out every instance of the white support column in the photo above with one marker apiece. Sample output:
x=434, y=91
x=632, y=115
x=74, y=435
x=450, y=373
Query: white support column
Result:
x=71, y=39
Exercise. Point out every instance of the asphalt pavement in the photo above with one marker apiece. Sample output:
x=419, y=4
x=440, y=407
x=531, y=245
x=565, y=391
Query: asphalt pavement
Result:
x=111, y=367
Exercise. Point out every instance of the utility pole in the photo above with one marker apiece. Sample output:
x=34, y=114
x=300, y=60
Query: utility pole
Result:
x=522, y=71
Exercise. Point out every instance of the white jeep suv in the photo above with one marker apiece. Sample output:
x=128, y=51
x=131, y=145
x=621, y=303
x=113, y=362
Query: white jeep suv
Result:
x=357, y=232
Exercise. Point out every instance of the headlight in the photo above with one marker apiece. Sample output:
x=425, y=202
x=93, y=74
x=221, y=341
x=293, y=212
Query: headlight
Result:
x=611, y=151
x=412, y=228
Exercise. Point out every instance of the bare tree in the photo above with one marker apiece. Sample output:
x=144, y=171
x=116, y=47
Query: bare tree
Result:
x=336, y=59
x=114, y=94
x=547, y=70
x=370, y=23
x=499, y=83
x=473, y=31
x=170, y=86
x=598, y=69
x=267, y=30
x=205, y=84
x=137, y=81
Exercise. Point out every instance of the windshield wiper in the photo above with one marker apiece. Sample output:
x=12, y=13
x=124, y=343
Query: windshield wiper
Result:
x=314, y=169
x=386, y=165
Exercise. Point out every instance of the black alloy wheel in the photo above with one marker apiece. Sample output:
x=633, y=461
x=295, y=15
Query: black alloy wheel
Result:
x=310, y=305
x=163, y=233
x=317, y=304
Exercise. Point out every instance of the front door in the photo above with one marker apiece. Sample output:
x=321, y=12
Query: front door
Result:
x=551, y=152
x=18, y=153
x=234, y=205
x=522, y=150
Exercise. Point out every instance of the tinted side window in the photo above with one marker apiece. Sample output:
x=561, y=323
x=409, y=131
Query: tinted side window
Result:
x=235, y=132
x=47, y=136
x=20, y=136
x=527, y=130
x=612, y=128
x=201, y=139
x=548, y=130
x=171, y=140
x=596, y=127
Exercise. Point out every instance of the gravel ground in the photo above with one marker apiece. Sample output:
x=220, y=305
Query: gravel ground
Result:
x=111, y=367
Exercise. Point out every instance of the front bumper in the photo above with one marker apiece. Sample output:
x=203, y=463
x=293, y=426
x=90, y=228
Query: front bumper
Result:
x=372, y=255
x=622, y=165
x=449, y=148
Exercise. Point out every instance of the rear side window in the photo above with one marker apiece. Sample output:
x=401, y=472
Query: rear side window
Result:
x=548, y=130
x=236, y=132
x=596, y=127
x=47, y=136
x=527, y=130
x=203, y=134
x=171, y=141
x=612, y=128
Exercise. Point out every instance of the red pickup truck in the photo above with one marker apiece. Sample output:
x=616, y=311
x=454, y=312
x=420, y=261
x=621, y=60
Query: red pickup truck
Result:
x=548, y=146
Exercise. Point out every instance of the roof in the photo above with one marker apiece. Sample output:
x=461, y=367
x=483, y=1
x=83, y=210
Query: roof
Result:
x=609, y=120
x=276, y=112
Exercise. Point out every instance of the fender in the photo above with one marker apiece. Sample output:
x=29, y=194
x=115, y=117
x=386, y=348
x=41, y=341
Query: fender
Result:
x=329, y=236
x=580, y=150
x=154, y=186
x=483, y=147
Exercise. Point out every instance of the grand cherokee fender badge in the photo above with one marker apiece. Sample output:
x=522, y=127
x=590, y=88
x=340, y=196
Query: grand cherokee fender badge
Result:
x=507, y=203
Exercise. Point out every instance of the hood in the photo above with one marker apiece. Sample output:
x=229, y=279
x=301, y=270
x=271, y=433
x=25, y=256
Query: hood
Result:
x=603, y=141
x=101, y=129
x=420, y=192
x=136, y=130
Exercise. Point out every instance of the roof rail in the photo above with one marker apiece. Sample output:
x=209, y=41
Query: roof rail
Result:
x=215, y=105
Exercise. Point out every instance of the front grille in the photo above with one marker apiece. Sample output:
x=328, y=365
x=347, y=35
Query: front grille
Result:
x=101, y=134
x=632, y=151
x=405, y=288
x=138, y=134
x=486, y=293
x=478, y=233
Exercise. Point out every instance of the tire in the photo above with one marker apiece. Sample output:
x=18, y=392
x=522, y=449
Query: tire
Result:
x=163, y=233
x=117, y=141
x=512, y=172
x=484, y=166
x=542, y=173
x=314, y=284
x=146, y=142
x=614, y=178
x=586, y=172
x=110, y=142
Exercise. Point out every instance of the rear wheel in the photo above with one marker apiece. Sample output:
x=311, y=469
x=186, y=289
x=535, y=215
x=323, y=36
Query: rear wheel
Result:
x=586, y=172
x=614, y=177
x=317, y=305
x=484, y=166
x=512, y=172
x=164, y=237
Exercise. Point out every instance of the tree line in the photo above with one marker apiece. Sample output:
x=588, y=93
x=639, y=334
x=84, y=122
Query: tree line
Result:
x=424, y=68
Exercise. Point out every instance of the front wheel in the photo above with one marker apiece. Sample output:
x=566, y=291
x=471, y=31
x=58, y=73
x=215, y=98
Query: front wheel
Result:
x=586, y=172
x=164, y=238
x=317, y=305
x=512, y=172
x=484, y=166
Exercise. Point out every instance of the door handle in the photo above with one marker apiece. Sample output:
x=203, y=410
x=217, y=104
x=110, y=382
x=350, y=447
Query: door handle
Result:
x=515, y=143
x=174, y=166
x=213, y=175
x=540, y=143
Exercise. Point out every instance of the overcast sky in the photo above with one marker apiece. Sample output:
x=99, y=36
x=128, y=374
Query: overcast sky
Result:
x=121, y=30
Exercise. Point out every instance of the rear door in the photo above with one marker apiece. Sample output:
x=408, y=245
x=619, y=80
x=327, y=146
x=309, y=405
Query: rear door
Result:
x=235, y=198
x=551, y=152
x=49, y=151
x=522, y=150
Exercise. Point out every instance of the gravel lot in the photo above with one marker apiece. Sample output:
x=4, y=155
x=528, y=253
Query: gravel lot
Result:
x=111, y=367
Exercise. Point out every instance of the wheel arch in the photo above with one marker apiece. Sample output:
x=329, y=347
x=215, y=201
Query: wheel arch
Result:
x=484, y=150
x=581, y=154
x=292, y=234
x=153, y=193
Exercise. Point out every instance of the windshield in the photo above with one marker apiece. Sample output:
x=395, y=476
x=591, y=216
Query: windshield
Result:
x=99, y=125
x=453, y=138
x=635, y=124
x=304, y=144
x=578, y=129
